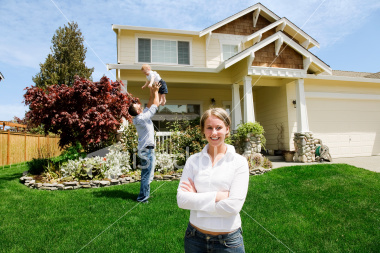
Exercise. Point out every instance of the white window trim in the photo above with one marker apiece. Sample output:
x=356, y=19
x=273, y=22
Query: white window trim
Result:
x=228, y=42
x=162, y=37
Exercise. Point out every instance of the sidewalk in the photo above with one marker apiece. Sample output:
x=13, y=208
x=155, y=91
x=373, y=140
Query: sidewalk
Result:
x=371, y=163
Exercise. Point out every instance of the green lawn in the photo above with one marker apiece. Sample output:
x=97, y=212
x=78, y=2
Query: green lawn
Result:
x=316, y=208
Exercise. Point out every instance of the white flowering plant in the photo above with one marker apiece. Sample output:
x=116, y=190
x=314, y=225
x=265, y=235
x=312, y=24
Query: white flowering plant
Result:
x=165, y=162
x=114, y=164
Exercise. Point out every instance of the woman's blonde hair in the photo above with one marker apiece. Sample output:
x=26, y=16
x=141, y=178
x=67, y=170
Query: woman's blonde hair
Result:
x=219, y=113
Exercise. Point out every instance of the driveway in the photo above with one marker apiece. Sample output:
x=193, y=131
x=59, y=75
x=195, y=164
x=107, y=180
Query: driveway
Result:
x=371, y=163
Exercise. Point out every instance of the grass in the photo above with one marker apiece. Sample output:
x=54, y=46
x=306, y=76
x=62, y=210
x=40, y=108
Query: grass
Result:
x=316, y=208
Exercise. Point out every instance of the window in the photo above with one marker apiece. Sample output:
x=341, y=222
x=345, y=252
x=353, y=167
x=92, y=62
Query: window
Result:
x=229, y=51
x=164, y=51
x=174, y=112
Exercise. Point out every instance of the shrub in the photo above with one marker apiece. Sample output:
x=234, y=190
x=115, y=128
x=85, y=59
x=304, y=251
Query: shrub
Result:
x=87, y=112
x=267, y=164
x=187, y=143
x=165, y=162
x=114, y=164
x=250, y=127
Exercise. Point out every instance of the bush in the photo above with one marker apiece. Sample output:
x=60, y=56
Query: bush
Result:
x=114, y=164
x=187, y=143
x=165, y=163
x=253, y=128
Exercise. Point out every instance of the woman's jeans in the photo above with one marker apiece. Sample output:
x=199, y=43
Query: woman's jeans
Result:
x=196, y=241
x=147, y=163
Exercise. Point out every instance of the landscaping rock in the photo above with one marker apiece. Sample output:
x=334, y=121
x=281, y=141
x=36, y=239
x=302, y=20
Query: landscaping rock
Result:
x=68, y=188
x=114, y=182
x=73, y=183
x=105, y=183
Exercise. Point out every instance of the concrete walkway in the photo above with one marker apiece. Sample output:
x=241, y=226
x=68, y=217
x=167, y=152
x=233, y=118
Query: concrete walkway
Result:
x=371, y=163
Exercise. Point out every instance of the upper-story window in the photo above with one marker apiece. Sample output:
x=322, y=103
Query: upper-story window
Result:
x=164, y=51
x=229, y=51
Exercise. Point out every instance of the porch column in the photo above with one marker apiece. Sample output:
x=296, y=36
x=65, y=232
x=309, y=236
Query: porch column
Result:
x=249, y=113
x=302, y=120
x=124, y=89
x=236, y=109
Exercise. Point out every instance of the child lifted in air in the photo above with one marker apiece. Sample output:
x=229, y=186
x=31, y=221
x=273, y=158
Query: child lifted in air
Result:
x=154, y=77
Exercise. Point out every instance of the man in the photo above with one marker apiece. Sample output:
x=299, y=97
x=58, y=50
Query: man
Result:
x=144, y=126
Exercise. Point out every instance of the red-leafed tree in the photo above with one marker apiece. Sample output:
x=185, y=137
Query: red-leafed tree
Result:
x=87, y=112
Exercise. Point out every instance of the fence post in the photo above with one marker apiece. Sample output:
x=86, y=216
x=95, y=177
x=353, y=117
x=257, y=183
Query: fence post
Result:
x=8, y=146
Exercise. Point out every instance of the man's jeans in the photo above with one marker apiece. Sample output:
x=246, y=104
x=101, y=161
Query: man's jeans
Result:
x=147, y=165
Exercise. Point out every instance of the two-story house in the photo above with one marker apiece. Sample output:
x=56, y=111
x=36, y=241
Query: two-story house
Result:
x=257, y=66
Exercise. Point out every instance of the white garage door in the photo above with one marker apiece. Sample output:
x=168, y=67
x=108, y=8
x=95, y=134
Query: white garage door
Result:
x=348, y=127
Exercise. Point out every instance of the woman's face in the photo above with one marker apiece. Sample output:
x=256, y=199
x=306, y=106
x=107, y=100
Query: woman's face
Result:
x=215, y=131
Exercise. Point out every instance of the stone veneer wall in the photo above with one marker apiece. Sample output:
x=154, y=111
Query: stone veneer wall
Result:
x=251, y=145
x=305, y=145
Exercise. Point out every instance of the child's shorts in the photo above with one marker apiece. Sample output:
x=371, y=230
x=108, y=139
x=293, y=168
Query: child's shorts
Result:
x=163, y=89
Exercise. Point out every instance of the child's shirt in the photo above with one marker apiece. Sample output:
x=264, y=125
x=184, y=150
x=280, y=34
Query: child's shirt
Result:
x=155, y=75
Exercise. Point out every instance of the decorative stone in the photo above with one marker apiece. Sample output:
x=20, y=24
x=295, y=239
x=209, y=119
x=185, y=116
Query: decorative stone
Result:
x=84, y=183
x=86, y=186
x=70, y=183
x=53, y=188
x=38, y=185
x=114, y=182
x=105, y=183
x=158, y=177
x=68, y=188
x=60, y=186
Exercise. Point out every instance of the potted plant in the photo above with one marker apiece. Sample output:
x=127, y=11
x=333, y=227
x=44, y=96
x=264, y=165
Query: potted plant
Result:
x=288, y=155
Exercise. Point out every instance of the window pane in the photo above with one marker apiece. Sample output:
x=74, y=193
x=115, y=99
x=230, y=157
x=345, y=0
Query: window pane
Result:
x=144, y=50
x=172, y=109
x=183, y=52
x=229, y=51
x=196, y=109
x=164, y=51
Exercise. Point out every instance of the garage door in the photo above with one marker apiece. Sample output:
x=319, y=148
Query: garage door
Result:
x=349, y=127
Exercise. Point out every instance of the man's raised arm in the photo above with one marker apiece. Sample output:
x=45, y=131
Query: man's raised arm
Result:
x=153, y=97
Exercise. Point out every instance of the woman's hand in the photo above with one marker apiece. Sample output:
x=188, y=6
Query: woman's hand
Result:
x=221, y=195
x=188, y=186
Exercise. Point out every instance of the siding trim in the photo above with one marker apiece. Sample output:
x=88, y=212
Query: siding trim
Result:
x=342, y=95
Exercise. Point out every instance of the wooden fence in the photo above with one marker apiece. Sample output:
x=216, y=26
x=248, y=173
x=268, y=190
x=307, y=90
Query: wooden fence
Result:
x=21, y=147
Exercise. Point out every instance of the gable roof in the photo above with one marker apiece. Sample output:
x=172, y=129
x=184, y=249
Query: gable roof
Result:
x=283, y=38
x=308, y=42
x=268, y=12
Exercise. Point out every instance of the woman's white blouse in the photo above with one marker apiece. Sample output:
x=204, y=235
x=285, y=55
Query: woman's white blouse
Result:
x=231, y=173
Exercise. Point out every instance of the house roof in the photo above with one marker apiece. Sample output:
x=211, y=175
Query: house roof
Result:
x=271, y=16
x=350, y=73
x=285, y=39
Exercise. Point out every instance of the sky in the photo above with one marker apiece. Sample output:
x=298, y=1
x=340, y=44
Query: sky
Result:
x=348, y=32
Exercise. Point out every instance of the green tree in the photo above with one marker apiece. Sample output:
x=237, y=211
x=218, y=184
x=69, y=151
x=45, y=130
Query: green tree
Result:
x=67, y=58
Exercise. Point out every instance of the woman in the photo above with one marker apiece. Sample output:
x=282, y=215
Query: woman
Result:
x=213, y=186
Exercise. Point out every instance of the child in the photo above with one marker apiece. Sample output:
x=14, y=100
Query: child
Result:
x=153, y=76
